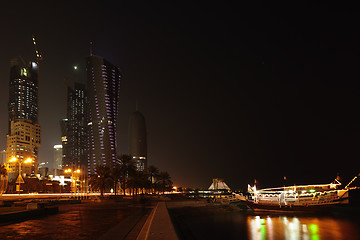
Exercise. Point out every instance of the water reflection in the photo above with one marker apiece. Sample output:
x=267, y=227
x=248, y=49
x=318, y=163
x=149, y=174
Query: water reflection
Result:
x=307, y=228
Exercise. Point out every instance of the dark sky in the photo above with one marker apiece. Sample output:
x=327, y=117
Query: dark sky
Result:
x=239, y=92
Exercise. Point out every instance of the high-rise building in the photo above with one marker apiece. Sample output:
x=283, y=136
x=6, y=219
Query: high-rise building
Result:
x=23, y=142
x=23, y=92
x=3, y=157
x=64, y=141
x=74, y=128
x=23, y=138
x=137, y=140
x=103, y=81
x=58, y=156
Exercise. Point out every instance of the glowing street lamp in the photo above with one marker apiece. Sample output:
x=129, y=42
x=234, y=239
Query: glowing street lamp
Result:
x=73, y=177
x=20, y=179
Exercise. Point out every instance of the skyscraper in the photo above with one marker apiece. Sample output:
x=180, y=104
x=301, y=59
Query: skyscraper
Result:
x=23, y=91
x=64, y=141
x=137, y=140
x=2, y=156
x=74, y=128
x=58, y=156
x=103, y=81
x=23, y=138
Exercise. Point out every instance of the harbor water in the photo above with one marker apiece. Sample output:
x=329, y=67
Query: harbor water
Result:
x=221, y=222
x=302, y=227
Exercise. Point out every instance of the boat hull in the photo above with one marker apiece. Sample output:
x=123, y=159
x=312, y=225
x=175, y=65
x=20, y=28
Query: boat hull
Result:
x=293, y=208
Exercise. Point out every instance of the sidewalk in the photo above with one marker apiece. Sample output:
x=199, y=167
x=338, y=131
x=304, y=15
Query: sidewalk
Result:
x=158, y=226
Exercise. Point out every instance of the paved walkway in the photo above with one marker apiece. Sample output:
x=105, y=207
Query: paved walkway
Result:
x=158, y=225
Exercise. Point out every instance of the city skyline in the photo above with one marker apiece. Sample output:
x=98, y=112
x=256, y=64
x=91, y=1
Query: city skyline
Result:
x=233, y=93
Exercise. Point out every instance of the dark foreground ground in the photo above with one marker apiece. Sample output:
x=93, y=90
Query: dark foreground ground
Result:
x=89, y=220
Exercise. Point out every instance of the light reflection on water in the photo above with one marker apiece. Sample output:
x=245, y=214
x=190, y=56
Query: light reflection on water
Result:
x=307, y=228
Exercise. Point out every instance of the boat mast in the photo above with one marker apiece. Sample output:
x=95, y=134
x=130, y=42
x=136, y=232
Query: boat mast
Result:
x=352, y=181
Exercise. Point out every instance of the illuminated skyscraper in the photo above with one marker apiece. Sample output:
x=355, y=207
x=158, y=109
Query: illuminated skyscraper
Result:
x=23, y=92
x=137, y=140
x=2, y=156
x=74, y=128
x=23, y=142
x=64, y=141
x=103, y=81
x=23, y=138
x=58, y=156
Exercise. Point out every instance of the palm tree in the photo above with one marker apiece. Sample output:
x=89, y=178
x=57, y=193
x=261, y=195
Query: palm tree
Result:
x=127, y=169
x=153, y=175
x=3, y=179
x=3, y=171
x=139, y=181
x=101, y=180
x=164, y=181
x=116, y=176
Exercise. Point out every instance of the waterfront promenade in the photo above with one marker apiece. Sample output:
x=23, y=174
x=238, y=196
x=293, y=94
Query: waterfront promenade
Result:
x=111, y=218
x=177, y=218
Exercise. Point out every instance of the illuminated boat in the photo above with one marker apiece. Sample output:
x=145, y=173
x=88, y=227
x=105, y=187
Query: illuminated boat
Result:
x=299, y=198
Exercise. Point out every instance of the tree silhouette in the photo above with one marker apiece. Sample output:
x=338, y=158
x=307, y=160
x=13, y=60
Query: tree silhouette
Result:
x=101, y=180
x=3, y=179
x=164, y=181
x=139, y=181
x=116, y=176
x=127, y=169
x=153, y=175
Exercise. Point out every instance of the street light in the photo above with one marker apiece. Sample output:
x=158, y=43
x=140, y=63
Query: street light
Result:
x=20, y=179
x=73, y=177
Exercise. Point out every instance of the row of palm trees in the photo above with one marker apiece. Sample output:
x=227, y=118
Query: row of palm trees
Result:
x=126, y=178
x=123, y=176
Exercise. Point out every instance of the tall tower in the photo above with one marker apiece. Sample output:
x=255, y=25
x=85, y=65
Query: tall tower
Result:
x=137, y=140
x=2, y=156
x=64, y=141
x=23, y=138
x=58, y=157
x=75, y=127
x=103, y=81
x=23, y=92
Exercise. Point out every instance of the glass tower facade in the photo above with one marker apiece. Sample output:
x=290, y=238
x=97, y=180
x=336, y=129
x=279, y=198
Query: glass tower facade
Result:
x=23, y=92
x=74, y=128
x=103, y=81
x=137, y=140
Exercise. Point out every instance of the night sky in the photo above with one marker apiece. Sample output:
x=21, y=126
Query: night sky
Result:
x=236, y=92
